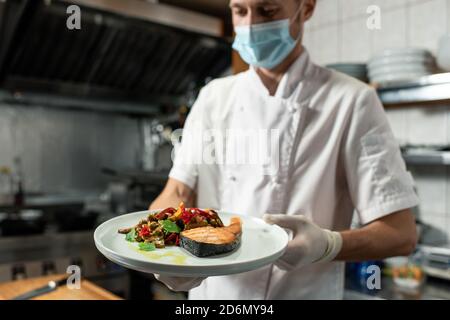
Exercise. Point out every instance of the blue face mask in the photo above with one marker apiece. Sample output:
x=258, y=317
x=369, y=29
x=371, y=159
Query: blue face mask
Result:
x=265, y=45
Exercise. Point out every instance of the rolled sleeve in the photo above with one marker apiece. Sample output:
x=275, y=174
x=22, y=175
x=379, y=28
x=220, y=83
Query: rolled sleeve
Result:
x=378, y=180
x=188, y=177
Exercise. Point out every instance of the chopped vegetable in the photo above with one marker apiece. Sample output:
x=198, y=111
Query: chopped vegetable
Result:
x=147, y=246
x=170, y=226
x=131, y=235
x=144, y=232
x=163, y=228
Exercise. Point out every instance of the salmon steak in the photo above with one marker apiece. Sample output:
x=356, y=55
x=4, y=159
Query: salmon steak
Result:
x=209, y=241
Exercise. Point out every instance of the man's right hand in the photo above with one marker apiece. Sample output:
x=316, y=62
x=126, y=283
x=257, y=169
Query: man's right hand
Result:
x=174, y=192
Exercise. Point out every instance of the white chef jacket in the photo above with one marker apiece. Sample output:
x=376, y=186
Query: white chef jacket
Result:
x=337, y=156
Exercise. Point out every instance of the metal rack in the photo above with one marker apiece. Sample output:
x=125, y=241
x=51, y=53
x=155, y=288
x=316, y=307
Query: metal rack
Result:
x=129, y=56
x=433, y=89
x=425, y=91
x=441, y=158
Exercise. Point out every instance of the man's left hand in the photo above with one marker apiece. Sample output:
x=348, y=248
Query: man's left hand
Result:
x=310, y=243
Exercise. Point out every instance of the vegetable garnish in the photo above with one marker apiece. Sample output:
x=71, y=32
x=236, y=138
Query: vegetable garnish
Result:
x=145, y=231
x=144, y=246
x=163, y=228
x=131, y=235
x=170, y=226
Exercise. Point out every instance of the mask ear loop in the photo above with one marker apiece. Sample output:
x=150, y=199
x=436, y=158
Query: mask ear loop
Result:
x=297, y=13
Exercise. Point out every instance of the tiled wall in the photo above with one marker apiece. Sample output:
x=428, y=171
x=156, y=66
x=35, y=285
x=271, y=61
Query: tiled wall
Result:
x=338, y=33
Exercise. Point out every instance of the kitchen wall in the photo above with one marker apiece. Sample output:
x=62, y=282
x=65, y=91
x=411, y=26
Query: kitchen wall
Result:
x=64, y=151
x=338, y=33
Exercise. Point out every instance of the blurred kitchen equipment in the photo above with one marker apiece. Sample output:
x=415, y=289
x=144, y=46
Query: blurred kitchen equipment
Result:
x=419, y=229
x=355, y=70
x=123, y=58
x=54, y=284
x=117, y=194
x=6, y=185
x=132, y=190
x=49, y=253
x=426, y=155
x=71, y=220
x=401, y=64
x=436, y=260
x=406, y=272
x=51, y=286
x=26, y=222
x=48, y=267
x=19, y=193
x=157, y=144
x=443, y=55
x=155, y=135
x=18, y=272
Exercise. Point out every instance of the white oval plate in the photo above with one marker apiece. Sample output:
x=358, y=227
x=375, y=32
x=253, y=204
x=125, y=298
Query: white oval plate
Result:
x=394, y=78
x=403, y=52
x=261, y=244
x=400, y=61
x=387, y=71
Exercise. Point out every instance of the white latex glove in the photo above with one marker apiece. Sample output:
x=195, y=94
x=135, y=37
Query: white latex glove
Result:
x=179, y=283
x=310, y=243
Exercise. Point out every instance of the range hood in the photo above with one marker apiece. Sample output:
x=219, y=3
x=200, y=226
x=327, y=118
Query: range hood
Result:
x=130, y=51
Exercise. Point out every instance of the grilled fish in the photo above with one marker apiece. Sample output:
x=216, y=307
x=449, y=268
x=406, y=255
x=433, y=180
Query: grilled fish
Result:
x=209, y=241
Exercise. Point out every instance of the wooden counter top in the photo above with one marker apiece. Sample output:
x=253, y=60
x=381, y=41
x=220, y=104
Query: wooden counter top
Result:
x=88, y=290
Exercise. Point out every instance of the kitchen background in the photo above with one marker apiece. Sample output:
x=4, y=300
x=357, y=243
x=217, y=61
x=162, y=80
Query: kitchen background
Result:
x=76, y=155
x=338, y=33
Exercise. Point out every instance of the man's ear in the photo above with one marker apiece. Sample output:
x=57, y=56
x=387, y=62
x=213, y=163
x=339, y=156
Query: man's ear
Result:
x=309, y=8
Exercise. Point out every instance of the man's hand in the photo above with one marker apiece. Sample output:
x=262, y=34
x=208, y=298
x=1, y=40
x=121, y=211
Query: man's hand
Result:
x=174, y=192
x=179, y=283
x=310, y=243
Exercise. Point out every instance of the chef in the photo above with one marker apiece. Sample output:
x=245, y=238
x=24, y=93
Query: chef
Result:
x=336, y=157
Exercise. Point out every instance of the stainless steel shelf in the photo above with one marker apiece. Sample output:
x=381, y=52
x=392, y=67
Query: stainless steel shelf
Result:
x=429, y=158
x=62, y=102
x=425, y=90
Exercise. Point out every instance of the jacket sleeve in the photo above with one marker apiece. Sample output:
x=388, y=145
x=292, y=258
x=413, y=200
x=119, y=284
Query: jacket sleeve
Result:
x=377, y=178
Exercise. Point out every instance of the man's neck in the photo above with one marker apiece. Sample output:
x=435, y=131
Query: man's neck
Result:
x=271, y=78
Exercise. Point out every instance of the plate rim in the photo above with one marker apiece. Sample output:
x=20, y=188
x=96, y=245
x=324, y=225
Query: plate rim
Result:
x=212, y=270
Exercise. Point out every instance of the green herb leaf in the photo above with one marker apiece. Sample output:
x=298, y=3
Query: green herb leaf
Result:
x=170, y=226
x=131, y=235
x=147, y=246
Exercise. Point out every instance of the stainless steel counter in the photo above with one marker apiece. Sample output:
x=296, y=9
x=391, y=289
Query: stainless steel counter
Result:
x=52, y=200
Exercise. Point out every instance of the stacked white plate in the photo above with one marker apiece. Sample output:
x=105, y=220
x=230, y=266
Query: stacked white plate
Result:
x=397, y=65
x=355, y=70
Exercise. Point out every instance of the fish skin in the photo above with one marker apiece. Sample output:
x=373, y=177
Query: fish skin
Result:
x=209, y=241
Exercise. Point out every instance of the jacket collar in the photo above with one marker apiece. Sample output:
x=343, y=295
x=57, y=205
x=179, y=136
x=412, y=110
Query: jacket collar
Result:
x=298, y=86
x=297, y=72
